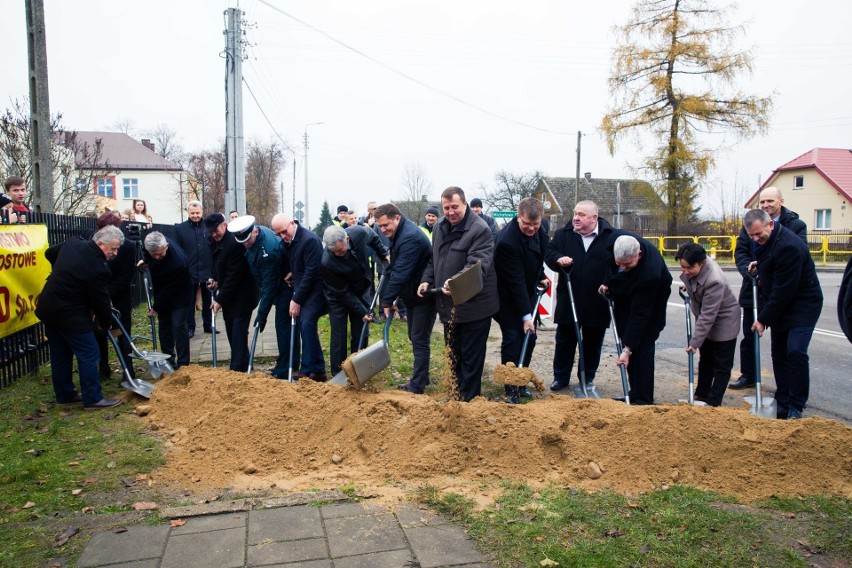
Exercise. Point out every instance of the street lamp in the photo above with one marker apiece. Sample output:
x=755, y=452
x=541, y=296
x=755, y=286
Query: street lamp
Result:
x=306, y=168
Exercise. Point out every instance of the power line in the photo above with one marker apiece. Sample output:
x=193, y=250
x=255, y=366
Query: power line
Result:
x=263, y=112
x=409, y=77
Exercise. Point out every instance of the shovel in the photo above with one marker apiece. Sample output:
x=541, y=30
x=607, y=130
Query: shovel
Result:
x=618, y=348
x=759, y=406
x=254, y=346
x=158, y=363
x=464, y=285
x=213, y=331
x=691, y=395
x=584, y=390
x=140, y=387
x=150, y=307
x=366, y=325
x=368, y=362
x=292, y=344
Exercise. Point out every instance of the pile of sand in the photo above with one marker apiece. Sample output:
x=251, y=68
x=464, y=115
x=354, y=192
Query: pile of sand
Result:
x=226, y=429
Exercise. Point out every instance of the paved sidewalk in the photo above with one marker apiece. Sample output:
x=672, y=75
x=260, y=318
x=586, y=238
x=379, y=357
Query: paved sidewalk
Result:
x=346, y=535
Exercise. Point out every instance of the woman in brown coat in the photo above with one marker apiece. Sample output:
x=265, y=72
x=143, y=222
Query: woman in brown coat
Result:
x=717, y=321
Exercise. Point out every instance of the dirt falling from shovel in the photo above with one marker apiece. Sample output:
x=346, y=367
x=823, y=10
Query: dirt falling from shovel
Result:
x=227, y=429
x=511, y=375
x=449, y=380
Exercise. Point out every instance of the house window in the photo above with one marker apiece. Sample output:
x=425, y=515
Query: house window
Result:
x=131, y=188
x=823, y=219
x=105, y=186
x=799, y=182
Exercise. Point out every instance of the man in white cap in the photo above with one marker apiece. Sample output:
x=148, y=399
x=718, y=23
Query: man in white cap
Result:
x=268, y=265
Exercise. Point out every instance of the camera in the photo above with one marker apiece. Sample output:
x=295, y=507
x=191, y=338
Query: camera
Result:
x=134, y=230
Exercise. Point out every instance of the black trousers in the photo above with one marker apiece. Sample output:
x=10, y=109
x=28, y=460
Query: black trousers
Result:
x=566, y=347
x=791, y=365
x=421, y=320
x=714, y=370
x=236, y=328
x=640, y=373
x=174, y=337
x=104, y=345
x=467, y=342
x=747, y=361
x=338, y=317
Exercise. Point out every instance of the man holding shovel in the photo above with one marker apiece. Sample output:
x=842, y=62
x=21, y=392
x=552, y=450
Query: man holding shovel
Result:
x=410, y=252
x=519, y=261
x=347, y=275
x=583, y=250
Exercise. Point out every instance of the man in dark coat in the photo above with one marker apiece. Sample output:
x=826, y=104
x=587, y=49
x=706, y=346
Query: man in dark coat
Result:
x=844, y=301
x=191, y=237
x=476, y=206
x=770, y=201
x=235, y=291
x=270, y=269
x=459, y=240
x=410, y=252
x=77, y=288
x=347, y=275
x=790, y=303
x=584, y=250
x=304, y=250
x=173, y=295
x=519, y=261
x=640, y=290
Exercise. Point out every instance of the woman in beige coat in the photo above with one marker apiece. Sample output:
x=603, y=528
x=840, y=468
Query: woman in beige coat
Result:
x=717, y=321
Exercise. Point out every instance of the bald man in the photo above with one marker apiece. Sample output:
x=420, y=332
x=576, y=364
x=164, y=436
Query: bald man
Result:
x=772, y=202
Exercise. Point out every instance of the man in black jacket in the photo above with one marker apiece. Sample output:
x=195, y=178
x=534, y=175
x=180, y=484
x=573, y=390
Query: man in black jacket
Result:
x=519, y=261
x=410, y=252
x=770, y=200
x=77, y=287
x=347, y=275
x=583, y=249
x=640, y=289
x=191, y=237
x=173, y=295
x=790, y=303
x=234, y=288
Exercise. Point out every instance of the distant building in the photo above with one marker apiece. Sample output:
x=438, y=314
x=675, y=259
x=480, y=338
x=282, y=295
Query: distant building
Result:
x=641, y=208
x=818, y=186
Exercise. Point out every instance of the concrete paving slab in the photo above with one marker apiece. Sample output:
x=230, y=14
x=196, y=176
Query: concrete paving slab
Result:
x=390, y=559
x=289, y=551
x=341, y=510
x=212, y=523
x=308, y=564
x=286, y=523
x=411, y=516
x=137, y=543
x=445, y=545
x=363, y=535
x=222, y=548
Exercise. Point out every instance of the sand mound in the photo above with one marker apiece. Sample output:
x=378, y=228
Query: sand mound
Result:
x=229, y=429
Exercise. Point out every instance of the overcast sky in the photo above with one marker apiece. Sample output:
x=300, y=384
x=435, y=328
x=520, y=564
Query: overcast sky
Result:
x=463, y=88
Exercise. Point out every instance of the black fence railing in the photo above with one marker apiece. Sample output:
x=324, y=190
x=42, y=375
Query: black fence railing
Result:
x=24, y=351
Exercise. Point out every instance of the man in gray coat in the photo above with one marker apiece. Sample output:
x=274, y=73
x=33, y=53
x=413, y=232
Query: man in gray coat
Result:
x=459, y=240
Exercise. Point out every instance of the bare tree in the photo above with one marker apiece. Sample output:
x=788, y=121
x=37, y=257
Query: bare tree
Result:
x=673, y=75
x=125, y=125
x=417, y=185
x=166, y=144
x=263, y=162
x=510, y=188
x=208, y=168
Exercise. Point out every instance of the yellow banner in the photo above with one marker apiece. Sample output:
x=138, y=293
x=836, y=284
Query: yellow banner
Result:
x=23, y=271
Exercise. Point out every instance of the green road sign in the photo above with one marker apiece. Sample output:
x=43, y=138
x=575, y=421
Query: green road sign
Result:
x=503, y=214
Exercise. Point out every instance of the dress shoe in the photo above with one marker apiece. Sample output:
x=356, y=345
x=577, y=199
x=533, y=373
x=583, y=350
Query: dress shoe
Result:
x=103, y=403
x=211, y=331
x=77, y=398
x=408, y=388
x=742, y=383
x=524, y=392
x=619, y=399
x=794, y=414
x=558, y=385
x=299, y=375
x=513, y=399
x=318, y=377
x=190, y=334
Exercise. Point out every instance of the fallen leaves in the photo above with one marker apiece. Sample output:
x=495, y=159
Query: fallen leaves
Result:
x=28, y=505
x=66, y=535
x=144, y=506
x=177, y=523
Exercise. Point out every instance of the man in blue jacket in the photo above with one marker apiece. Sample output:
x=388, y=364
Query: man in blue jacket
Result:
x=790, y=303
x=304, y=249
x=270, y=267
x=410, y=252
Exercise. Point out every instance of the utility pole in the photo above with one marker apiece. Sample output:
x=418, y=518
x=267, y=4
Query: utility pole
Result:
x=307, y=219
x=577, y=180
x=235, y=194
x=40, y=142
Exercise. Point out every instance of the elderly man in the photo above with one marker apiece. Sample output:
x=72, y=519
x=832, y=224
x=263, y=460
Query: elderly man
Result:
x=304, y=249
x=347, y=275
x=519, y=261
x=792, y=302
x=270, y=268
x=640, y=288
x=770, y=201
x=584, y=249
x=235, y=288
x=173, y=295
x=460, y=239
x=77, y=289
x=191, y=237
x=410, y=252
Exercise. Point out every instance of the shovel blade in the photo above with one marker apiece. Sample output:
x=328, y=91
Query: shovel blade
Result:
x=142, y=388
x=339, y=379
x=769, y=408
x=371, y=361
x=591, y=392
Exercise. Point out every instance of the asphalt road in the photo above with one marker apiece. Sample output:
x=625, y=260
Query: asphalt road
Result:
x=830, y=352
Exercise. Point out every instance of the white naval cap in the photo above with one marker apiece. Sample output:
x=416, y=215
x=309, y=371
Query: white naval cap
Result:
x=242, y=227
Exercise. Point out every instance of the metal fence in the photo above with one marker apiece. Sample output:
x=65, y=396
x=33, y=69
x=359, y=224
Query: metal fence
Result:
x=24, y=351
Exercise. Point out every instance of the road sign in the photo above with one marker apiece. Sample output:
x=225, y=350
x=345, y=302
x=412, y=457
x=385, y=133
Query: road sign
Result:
x=503, y=214
x=299, y=215
x=299, y=205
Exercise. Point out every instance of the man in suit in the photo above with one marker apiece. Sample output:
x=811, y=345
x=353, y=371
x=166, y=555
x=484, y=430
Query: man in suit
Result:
x=191, y=237
x=791, y=300
x=234, y=288
x=519, y=261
